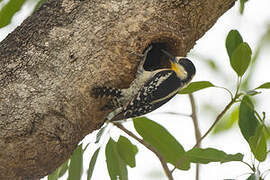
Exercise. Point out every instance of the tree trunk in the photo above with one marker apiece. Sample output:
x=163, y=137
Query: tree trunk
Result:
x=49, y=64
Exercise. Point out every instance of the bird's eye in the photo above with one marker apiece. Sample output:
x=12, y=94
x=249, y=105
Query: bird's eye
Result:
x=178, y=59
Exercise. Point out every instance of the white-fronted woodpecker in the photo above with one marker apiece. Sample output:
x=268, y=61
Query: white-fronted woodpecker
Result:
x=149, y=90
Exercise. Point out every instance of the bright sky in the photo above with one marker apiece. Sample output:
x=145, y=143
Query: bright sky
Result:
x=212, y=45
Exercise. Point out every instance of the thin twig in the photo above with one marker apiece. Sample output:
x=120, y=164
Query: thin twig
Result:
x=233, y=100
x=262, y=122
x=197, y=132
x=265, y=173
x=151, y=148
x=239, y=80
x=196, y=128
x=226, y=90
x=209, y=130
x=215, y=122
x=252, y=169
x=195, y=119
x=173, y=113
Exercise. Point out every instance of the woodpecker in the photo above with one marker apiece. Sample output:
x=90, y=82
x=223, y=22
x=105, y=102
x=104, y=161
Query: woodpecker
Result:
x=149, y=90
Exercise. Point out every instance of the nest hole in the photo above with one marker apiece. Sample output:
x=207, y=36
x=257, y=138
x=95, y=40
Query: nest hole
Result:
x=155, y=58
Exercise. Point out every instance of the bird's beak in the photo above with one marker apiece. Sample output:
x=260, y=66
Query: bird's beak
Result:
x=172, y=58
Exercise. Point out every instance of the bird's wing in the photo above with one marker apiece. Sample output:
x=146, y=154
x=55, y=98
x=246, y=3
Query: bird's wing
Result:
x=156, y=92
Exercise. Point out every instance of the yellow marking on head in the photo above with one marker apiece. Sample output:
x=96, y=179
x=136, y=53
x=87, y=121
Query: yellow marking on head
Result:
x=180, y=71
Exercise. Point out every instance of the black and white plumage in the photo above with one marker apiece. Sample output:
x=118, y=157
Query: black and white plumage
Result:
x=149, y=90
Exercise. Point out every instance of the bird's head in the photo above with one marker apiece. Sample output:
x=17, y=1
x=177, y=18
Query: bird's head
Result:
x=183, y=67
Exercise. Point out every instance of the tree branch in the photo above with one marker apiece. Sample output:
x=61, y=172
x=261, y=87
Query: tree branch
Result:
x=196, y=128
x=215, y=122
x=209, y=130
x=195, y=119
x=151, y=148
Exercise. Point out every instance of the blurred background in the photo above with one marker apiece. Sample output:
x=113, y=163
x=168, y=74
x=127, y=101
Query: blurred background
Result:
x=212, y=63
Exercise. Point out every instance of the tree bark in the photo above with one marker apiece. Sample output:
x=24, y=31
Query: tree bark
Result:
x=49, y=64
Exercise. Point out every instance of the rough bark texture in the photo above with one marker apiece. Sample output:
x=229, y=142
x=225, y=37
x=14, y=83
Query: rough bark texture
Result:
x=49, y=64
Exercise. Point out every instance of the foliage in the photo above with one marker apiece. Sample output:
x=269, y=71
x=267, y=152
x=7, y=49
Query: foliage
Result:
x=196, y=86
x=127, y=151
x=8, y=11
x=59, y=172
x=116, y=165
x=76, y=164
x=92, y=164
x=242, y=5
x=162, y=140
x=11, y=8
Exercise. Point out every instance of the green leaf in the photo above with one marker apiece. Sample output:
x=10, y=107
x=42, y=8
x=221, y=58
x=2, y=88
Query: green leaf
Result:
x=116, y=166
x=253, y=177
x=7, y=12
x=264, y=86
x=53, y=175
x=84, y=149
x=266, y=134
x=232, y=41
x=59, y=172
x=252, y=92
x=204, y=156
x=40, y=2
x=212, y=64
x=196, y=86
x=92, y=164
x=63, y=169
x=228, y=121
x=240, y=59
x=162, y=140
x=248, y=122
x=100, y=133
x=252, y=130
x=242, y=5
x=135, y=149
x=127, y=151
x=258, y=144
x=75, y=167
